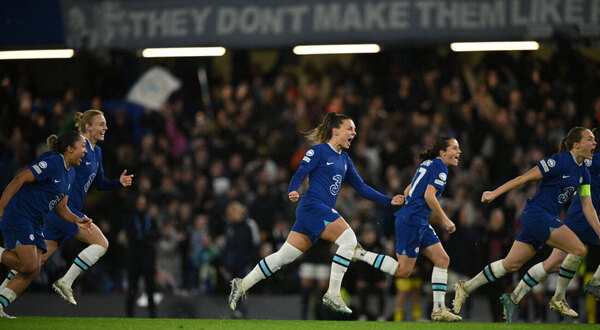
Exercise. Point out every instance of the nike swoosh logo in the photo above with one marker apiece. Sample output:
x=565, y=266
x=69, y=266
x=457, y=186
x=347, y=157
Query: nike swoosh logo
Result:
x=328, y=163
x=88, y=163
x=565, y=176
x=56, y=181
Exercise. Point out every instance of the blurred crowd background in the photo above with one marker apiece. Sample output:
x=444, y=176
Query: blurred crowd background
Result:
x=215, y=166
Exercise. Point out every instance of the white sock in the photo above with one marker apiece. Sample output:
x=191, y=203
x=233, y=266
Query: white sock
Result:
x=10, y=275
x=86, y=259
x=269, y=265
x=565, y=274
x=595, y=280
x=382, y=262
x=439, y=281
x=7, y=296
x=490, y=273
x=341, y=260
x=534, y=276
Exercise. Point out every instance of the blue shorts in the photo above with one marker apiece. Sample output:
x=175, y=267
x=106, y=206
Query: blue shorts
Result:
x=536, y=226
x=19, y=230
x=411, y=239
x=57, y=229
x=312, y=217
x=579, y=225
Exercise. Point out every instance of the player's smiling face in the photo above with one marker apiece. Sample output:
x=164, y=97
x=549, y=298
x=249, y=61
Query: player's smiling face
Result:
x=77, y=152
x=343, y=136
x=96, y=129
x=451, y=154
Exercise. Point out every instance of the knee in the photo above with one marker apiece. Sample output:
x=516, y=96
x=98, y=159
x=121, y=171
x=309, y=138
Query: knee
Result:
x=442, y=261
x=511, y=268
x=30, y=267
x=403, y=272
x=579, y=250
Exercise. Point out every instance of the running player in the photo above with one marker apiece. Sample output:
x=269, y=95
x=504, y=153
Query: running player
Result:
x=588, y=234
x=327, y=166
x=92, y=126
x=414, y=234
x=41, y=188
x=561, y=175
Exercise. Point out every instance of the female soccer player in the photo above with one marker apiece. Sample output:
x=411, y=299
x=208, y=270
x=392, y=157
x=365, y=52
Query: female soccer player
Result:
x=327, y=166
x=561, y=175
x=33, y=193
x=413, y=232
x=92, y=126
x=588, y=233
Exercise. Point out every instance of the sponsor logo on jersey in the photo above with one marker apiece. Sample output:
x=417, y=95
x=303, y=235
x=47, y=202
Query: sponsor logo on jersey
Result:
x=306, y=159
x=37, y=169
x=31, y=238
x=439, y=182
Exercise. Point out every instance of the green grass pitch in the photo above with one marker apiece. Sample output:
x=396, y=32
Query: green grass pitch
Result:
x=208, y=324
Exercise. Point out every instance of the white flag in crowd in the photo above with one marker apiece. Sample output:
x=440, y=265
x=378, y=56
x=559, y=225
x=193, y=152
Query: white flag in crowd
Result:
x=153, y=88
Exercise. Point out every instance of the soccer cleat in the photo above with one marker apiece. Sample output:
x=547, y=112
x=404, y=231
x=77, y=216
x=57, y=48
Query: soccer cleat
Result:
x=445, y=315
x=236, y=293
x=593, y=290
x=562, y=307
x=508, y=307
x=358, y=251
x=336, y=303
x=460, y=296
x=65, y=291
x=3, y=314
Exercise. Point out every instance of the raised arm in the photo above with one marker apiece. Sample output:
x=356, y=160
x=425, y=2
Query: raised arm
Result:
x=531, y=175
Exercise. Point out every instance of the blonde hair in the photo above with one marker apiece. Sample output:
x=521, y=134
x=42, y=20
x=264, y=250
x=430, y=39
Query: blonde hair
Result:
x=324, y=131
x=82, y=119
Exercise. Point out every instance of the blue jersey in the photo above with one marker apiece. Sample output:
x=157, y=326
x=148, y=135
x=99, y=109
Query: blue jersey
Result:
x=327, y=169
x=36, y=199
x=89, y=172
x=431, y=172
x=593, y=167
x=562, y=176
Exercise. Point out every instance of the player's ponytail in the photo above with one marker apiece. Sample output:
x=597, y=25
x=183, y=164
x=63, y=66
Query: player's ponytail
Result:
x=441, y=143
x=574, y=135
x=60, y=143
x=324, y=131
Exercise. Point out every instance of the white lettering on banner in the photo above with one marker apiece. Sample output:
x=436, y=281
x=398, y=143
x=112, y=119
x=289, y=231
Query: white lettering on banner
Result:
x=425, y=8
x=253, y=19
x=249, y=20
x=549, y=12
x=326, y=17
x=297, y=12
x=351, y=19
x=574, y=12
x=515, y=13
x=467, y=15
x=374, y=15
x=493, y=15
x=399, y=15
x=199, y=18
x=595, y=12
x=273, y=20
x=226, y=20
x=137, y=18
x=446, y=14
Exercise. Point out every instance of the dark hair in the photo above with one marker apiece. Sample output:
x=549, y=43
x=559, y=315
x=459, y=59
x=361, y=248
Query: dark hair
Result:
x=324, y=131
x=574, y=135
x=596, y=132
x=441, y=143
x=60, y=143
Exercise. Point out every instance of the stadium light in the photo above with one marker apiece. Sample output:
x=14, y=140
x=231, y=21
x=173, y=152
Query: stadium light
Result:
x=35, y=54
x=336, y=49
x=494, y=46
x=183, y=52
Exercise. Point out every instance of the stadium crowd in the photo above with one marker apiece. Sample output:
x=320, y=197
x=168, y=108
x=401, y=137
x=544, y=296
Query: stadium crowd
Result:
x=216, y=174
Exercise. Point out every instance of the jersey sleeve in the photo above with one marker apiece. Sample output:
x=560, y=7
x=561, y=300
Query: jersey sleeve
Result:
x=45, y=167
x=551, y=166
x=362, y=188
x=309, y=162
x=438, y=176
x=100, y=182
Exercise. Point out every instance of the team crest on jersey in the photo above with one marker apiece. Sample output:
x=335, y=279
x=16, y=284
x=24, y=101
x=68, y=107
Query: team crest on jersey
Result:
x=31, y=237
x=551, y=162
x=310, y=152
x=443, y=176
x=417, y=249
x=43, y=164
x=588, y=162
